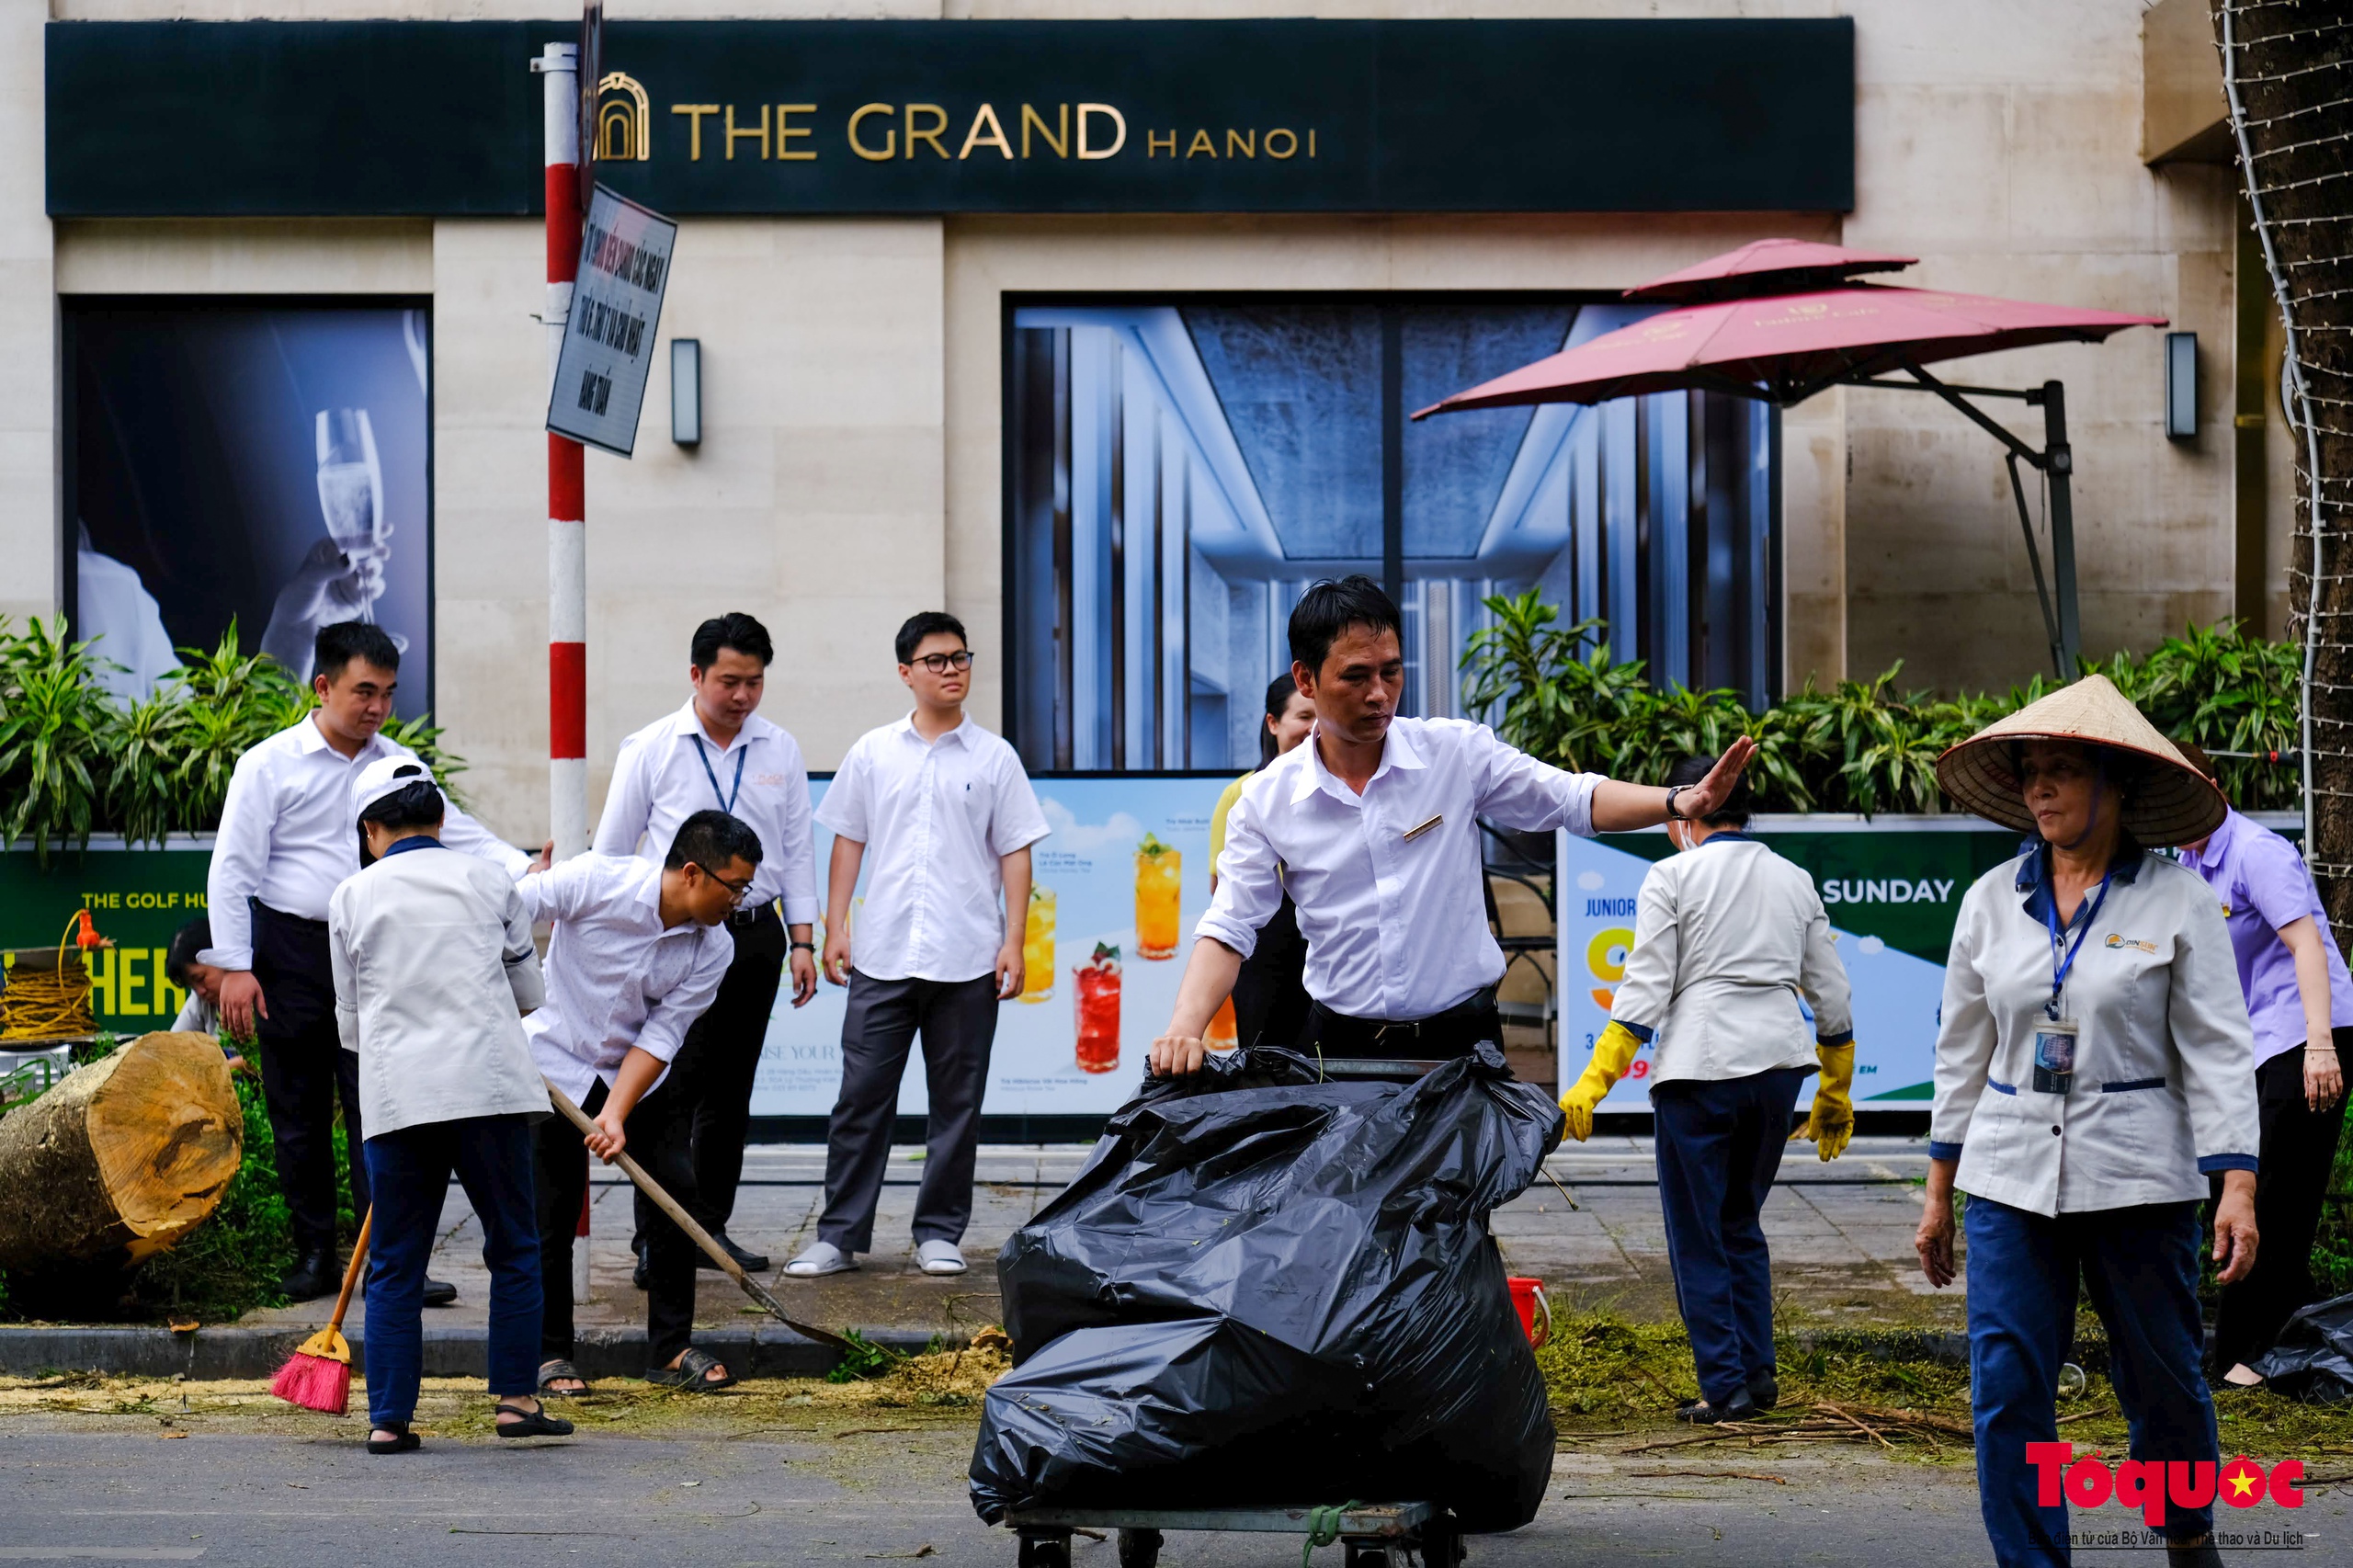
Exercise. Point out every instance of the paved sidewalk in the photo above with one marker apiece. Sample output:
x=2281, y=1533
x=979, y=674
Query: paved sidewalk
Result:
x=1841, y=1236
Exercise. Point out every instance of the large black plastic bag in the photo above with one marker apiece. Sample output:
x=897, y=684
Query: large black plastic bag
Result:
x=1264, y=1288
x=2314, y=1358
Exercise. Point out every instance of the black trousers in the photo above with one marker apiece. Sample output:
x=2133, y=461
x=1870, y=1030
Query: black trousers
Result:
x=958, y=1022
x=1270, y=999
x=2299, y=1145
x=304, y=1071
x=657, y=1129
x=716, y=1066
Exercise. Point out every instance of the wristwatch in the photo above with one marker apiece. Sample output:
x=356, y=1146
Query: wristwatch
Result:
x=802, y=947
x=1672, y=814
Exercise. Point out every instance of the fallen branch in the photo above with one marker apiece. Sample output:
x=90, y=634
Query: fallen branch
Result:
x=1707, y=1475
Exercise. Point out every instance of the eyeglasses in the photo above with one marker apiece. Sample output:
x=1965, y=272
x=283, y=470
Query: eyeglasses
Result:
x=741, y=890
x=940, y=664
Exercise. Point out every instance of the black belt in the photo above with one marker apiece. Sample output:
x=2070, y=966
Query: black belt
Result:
x=741, y=919
x=1457, y=1031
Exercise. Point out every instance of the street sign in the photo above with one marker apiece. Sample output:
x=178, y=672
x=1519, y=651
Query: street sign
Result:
x=616, y=307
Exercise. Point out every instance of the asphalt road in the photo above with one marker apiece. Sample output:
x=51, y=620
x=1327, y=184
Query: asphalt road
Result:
x=78, y=1489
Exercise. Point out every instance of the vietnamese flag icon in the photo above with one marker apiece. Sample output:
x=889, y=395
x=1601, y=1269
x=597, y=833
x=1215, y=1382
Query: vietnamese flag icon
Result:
x=2242, y=1483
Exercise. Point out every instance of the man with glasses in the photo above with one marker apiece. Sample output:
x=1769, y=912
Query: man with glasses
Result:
x=947, y=814
x=635, y=955
x=717, y=752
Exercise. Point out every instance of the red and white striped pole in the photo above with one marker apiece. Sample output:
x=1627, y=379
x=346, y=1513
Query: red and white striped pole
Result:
x=567, y=506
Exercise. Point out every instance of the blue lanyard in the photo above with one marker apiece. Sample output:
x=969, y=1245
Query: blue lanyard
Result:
x=726, y=801
x=2061, y=965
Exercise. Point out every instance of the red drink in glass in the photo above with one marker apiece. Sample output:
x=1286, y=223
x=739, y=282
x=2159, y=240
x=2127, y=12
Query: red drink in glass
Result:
x=1098, y=1011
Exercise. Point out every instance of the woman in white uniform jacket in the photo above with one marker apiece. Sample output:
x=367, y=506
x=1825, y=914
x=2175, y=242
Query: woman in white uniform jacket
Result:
x=2091, y=1073
x=1727, y=937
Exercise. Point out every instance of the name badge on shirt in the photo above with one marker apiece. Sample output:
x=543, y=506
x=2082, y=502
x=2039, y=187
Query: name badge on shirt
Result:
x=2054, y=1056
x=1420, y=828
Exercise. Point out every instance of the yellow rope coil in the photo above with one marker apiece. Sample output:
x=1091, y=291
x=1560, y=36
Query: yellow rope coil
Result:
x=53, y=1005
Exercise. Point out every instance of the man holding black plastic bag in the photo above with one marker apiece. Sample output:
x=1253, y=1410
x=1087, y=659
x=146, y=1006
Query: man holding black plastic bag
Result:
x=1372, y=827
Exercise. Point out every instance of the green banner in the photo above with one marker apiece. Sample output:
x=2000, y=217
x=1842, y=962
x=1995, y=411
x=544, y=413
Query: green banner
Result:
x=136, y=899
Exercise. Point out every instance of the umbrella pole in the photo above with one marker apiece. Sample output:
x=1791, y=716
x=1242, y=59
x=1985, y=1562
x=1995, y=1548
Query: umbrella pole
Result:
x=2058, y=462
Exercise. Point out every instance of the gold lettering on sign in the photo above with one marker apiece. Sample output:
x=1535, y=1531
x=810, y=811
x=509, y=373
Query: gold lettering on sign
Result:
x=1290, y=142
x=694, y=113
x=939, y=124
x=890, y=148
x=1310, y=141
x=1153, y=142
x=1200, y=144
x=1059, y=139
x=786, y=132
x=1245, y=140
x=760, y=134
x=985, y=132
x=624, y=130
x=1119, y=130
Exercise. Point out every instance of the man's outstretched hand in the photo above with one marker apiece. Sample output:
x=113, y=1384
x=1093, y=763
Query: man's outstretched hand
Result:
x=1710, y=794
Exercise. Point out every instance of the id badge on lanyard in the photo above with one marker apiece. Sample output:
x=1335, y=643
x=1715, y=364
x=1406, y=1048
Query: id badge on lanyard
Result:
x=2055, y=1037
x=2054, y=1055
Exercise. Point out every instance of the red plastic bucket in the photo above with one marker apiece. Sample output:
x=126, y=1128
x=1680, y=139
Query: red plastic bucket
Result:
x=1528, y=1299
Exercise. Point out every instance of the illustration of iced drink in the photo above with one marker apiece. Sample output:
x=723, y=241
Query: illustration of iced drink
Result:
x=1098, y=1010
x=1038, y=947
x=1224, y=1033
x=1160, y=872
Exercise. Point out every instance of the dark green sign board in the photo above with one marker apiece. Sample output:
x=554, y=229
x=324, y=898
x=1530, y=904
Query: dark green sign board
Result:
x=443, y=119
x=137, y=898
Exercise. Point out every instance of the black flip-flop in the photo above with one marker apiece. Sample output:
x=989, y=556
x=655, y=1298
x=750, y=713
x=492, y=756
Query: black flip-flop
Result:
x=555, y=1372
x=401, y=1441
x=535, y=1424
x=688, y=1374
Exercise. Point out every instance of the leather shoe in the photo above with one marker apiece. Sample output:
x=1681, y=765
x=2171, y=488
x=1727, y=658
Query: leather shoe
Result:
x=440, y=1293
x=314, y=1274
x=637, y=1272
x=1700, y=1413
x=749, y=1261
x=1764, y=1391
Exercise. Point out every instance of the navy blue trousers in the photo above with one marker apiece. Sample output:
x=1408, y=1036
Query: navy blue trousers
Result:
x=408, y=1173
x=2139, y=1266
x=1719, y=1149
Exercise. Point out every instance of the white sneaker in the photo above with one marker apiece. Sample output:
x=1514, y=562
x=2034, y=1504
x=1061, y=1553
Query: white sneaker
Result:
x=820, y=1258
x=940, y=1257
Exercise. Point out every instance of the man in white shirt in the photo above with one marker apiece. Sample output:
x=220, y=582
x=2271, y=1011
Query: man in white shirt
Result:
x=635, y=955
x=717, y=752
x=286, y=841
x=1373, y=827
x=949, y=816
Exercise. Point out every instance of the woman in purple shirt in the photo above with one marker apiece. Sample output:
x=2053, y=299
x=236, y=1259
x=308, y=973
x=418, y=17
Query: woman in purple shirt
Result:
x=2300, y=1000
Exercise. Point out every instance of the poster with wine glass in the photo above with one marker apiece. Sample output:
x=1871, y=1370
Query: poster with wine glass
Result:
x=265, y=463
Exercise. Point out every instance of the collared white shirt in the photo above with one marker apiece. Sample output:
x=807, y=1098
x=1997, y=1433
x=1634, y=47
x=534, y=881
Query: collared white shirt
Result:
x=289, y=836
x=671, y=770
x=2162, y=1094
x=433, y=966
x=935, y=817
x=616, y=977
x=1396, y=928
x=1727, y=935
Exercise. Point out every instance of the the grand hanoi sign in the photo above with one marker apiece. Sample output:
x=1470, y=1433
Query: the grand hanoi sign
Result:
x=331, y=119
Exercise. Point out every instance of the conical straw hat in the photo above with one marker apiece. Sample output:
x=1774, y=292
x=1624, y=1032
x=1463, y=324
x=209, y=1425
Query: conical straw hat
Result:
x=2171, y=804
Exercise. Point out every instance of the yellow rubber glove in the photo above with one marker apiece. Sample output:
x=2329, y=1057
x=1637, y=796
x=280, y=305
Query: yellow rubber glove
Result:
x=1831, y=1123
x=1613, y=1054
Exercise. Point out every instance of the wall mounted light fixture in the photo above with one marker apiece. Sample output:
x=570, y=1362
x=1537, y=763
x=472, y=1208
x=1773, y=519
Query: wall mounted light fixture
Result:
x=686, y=391
x=2181, y=386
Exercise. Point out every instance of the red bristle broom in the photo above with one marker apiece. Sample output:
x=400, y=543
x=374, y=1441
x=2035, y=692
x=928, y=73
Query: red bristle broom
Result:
x=319, y=1376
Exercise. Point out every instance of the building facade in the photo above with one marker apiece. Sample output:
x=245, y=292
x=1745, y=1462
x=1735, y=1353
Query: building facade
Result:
x=962, y=346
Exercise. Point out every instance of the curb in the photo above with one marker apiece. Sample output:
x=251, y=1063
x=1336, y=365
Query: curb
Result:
x=208, y=1354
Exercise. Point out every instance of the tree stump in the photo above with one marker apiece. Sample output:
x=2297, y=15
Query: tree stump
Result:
x=123, y=1159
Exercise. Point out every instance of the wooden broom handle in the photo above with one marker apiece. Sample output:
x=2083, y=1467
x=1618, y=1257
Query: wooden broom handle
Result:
x=351, y=1269
x=651, y=1189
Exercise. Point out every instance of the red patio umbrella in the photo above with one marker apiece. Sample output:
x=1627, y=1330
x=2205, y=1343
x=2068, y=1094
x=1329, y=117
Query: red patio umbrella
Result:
x=1768, y=267
x=1785, y=346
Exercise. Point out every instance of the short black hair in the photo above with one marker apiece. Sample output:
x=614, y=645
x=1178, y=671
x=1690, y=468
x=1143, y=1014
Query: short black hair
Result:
x=335, y=646
x=1280, y=691
x=734, y=630
x=186, y=942
x=919, y=627
x=1734, y=811
x=413, y=805
x=711, y=839
x=1328, y=608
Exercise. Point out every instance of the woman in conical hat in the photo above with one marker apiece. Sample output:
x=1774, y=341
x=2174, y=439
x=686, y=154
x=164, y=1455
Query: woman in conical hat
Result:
x=2091, y=1072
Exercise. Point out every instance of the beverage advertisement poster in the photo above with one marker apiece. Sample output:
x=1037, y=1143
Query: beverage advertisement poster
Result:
x=1120, y=882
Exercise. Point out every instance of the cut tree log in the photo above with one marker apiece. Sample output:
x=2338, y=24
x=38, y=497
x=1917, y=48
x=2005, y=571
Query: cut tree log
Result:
x=123, y=1159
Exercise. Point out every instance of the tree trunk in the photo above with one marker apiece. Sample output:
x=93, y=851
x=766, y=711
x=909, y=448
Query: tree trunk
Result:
x=2290, y=63
x=123, y=1158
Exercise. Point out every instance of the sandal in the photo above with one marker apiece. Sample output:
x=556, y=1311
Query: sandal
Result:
x=534, y=1422
x=401, y=1441
x=691, y=1373
x=558, y=1372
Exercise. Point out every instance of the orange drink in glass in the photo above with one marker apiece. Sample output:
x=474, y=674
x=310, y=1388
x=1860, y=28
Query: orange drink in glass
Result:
x=1038, y=947
x=1098, y=1011
x=1160, y=872
x=1224, y=1033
